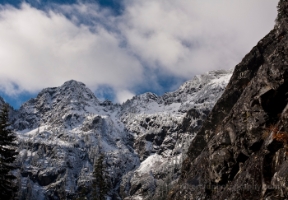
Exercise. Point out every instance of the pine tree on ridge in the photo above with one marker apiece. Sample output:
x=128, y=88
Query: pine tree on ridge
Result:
x=8, y=154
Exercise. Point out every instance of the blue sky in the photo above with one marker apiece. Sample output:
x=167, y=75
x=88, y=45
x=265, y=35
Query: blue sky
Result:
x=122, y=48
x=113, y=4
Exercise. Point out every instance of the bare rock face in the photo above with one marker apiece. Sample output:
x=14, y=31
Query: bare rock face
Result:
x=241, y=150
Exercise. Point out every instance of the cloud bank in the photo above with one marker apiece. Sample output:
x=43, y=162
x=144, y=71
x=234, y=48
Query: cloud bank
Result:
x=39, y=49
x=45, y=48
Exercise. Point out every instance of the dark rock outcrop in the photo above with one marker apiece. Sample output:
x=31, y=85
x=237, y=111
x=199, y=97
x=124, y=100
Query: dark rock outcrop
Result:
x=241, y=150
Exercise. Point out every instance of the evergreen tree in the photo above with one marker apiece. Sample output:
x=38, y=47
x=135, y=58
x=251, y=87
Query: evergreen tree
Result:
x=8, y=154
x=100, y=184
x=82, y=193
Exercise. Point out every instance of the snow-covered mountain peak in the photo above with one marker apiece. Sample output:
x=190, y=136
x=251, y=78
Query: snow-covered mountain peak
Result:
x=200, y=80
x=70, y=127
x=201, y=91
x=70, y=92
x=73, y=126
x=73, y=83
x=76, y=91
x=146, y=97
x=53, y=105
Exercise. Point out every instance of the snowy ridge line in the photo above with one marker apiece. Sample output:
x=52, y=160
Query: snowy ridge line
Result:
x=144, y=139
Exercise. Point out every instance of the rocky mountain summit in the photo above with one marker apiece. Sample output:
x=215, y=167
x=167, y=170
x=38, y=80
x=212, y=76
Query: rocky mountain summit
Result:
x=241, y=150
x=64, y=130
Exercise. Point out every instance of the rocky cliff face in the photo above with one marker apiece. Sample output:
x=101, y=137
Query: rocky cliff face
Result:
x=241, y=150
x=62, y=131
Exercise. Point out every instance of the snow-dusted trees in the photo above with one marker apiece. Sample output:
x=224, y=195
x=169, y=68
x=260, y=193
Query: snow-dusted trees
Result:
x=100, y=186
x=8, y=153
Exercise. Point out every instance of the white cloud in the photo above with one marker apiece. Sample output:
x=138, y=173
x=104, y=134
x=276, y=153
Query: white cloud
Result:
x=123, y=95
x=39, y=50
x=188, y=37
x=43, y=49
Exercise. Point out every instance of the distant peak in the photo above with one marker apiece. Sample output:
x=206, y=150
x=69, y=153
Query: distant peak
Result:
x=73, y=82
x=148, y=95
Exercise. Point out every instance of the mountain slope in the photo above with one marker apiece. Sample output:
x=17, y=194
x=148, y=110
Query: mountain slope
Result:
x=160, y=125
x=61, y=133
x=64, y=129
x=240, y=152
